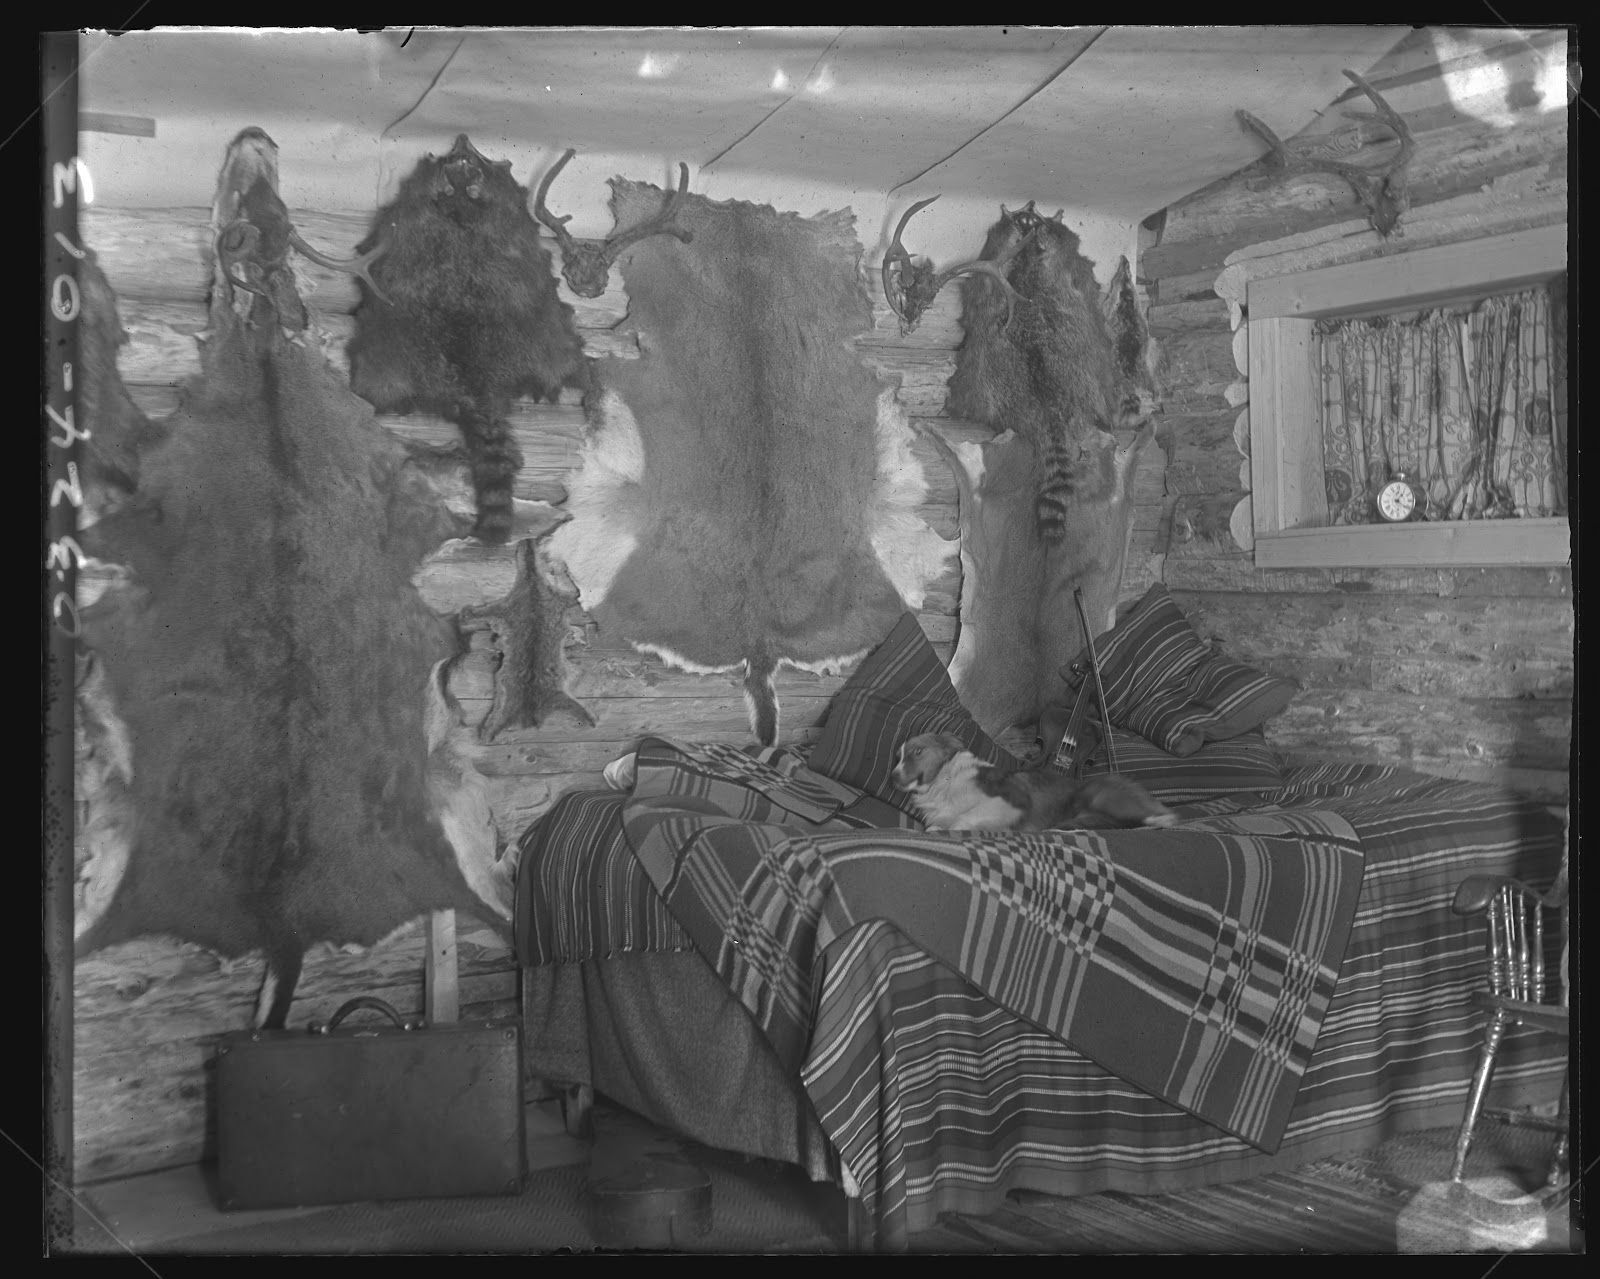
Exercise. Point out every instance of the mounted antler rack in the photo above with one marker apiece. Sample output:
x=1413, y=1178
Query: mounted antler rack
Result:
x=585, y=265
x=910, y=287
x=1381, y=188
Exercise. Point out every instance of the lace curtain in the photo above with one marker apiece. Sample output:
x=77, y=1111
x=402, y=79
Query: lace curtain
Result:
x=1470, y=405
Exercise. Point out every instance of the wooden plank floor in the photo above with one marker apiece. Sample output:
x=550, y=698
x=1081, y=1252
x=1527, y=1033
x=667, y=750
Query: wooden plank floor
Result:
x=1348, y=1205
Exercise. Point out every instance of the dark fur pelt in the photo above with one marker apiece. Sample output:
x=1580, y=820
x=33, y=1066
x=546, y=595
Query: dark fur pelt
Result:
x=1057, y=372
x=472, y=319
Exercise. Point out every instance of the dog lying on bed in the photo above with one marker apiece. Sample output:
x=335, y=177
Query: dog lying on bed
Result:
x=952, y=790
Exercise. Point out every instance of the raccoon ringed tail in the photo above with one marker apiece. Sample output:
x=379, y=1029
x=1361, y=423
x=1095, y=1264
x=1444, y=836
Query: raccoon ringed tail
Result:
x=1055, y=491
x=494, y=460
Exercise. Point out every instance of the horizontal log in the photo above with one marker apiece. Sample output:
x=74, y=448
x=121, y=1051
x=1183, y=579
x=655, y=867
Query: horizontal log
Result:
x=1476, y=646
x=1426, y=732
x=1237, y=572
x=1202, y=525
x=922, y=374
x=1193, y=286
x=162, y=255
x=1205, y=458
x=1178, y=318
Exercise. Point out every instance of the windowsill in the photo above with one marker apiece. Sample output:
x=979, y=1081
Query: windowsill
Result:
x=1457, y=543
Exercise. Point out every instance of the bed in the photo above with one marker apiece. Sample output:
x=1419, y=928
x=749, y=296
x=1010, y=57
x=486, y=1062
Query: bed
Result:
x=763, y=951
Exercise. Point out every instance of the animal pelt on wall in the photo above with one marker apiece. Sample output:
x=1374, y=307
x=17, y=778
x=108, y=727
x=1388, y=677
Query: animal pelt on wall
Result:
x=465, y=316
x=748, y=495
x=275, y=759
x=1046, y=508
x=1058, y=364
x=530, y=631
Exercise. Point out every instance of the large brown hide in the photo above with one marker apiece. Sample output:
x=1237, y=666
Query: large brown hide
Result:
x=1019, y=624
x=278, y=762
x=748, y=496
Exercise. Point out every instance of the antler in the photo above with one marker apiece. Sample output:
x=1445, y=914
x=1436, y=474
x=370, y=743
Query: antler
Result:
x=356, y=266
x=910, y=287
x=586, y=265
x=1382, y=189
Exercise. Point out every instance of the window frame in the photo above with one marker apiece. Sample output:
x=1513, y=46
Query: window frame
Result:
x=1287, y=492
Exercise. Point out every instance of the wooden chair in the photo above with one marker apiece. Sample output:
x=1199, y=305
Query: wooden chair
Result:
x=1518, y=995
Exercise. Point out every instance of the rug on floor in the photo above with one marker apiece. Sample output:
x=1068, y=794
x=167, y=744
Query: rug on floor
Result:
x=1350, y=1204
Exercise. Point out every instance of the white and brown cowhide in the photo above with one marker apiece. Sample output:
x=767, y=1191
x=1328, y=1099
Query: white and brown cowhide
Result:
x=272, y=757
x=747, y=497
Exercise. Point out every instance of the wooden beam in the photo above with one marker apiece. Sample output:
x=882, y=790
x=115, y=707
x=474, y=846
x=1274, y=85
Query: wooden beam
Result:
x=133, y=126
x=1409, y=280
x=441, y=977
x=1461, y=543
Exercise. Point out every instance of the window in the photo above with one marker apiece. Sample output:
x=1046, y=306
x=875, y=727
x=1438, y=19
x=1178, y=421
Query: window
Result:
x=1289, y=489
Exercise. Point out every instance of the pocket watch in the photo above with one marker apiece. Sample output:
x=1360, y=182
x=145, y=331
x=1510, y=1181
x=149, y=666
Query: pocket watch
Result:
x=1399, y=499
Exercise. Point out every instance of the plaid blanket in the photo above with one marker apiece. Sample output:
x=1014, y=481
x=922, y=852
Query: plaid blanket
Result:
x=1195, y=962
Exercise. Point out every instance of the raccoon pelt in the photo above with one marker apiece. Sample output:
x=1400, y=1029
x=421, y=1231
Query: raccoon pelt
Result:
x=465, y=317
x=1058, y=368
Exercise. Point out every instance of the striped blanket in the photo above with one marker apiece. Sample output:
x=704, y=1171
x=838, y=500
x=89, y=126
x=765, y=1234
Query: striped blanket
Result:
x=1195, y=962
x=937, y=1098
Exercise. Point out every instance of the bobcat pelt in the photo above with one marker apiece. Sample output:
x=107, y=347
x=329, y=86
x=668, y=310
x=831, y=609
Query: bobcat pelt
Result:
x=1069, y=364
x=468, y=318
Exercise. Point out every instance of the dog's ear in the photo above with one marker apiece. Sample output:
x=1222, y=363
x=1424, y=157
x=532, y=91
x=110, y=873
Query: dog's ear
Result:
x=951, y=743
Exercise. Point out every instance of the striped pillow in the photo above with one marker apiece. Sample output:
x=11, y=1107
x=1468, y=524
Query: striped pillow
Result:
x=1163, y=683
x=899, y=690
x=1247, y=762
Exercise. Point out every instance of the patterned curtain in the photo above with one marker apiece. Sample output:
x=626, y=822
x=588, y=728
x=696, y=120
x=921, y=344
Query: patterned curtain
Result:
x=1470, y=405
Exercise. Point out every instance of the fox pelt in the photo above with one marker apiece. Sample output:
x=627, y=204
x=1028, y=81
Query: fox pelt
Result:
x=465, y=317
x=1060, y=365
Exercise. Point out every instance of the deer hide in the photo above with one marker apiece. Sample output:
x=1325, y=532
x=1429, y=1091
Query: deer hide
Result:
x=748, y=496
x=1019, y=624
x=274, y=759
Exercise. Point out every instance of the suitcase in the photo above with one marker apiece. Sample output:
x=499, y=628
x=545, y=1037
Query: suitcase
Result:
x=344, y=1113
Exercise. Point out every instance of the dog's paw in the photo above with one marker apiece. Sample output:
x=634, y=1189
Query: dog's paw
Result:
x=1161, y=819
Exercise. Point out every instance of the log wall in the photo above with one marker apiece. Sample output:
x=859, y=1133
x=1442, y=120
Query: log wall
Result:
x=149, y=1011
x=1461, y=672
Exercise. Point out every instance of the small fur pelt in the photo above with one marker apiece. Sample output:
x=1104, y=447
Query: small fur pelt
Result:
x=465, y=317
x=954, y=790
x=1051, y=367
x=120, y=429
x=529, y=629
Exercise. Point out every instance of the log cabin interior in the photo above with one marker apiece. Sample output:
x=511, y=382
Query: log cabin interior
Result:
x=682, y=460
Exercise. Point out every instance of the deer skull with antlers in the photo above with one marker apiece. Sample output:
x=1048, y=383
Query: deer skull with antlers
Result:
x=585, y=265
x=910, y=287
x=1381, y=188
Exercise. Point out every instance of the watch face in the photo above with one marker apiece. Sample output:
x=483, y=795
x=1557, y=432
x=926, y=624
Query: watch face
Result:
x=1397, y=500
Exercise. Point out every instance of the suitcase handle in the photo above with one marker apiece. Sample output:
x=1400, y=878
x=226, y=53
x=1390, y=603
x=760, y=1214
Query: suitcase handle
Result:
x=355, y=1005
